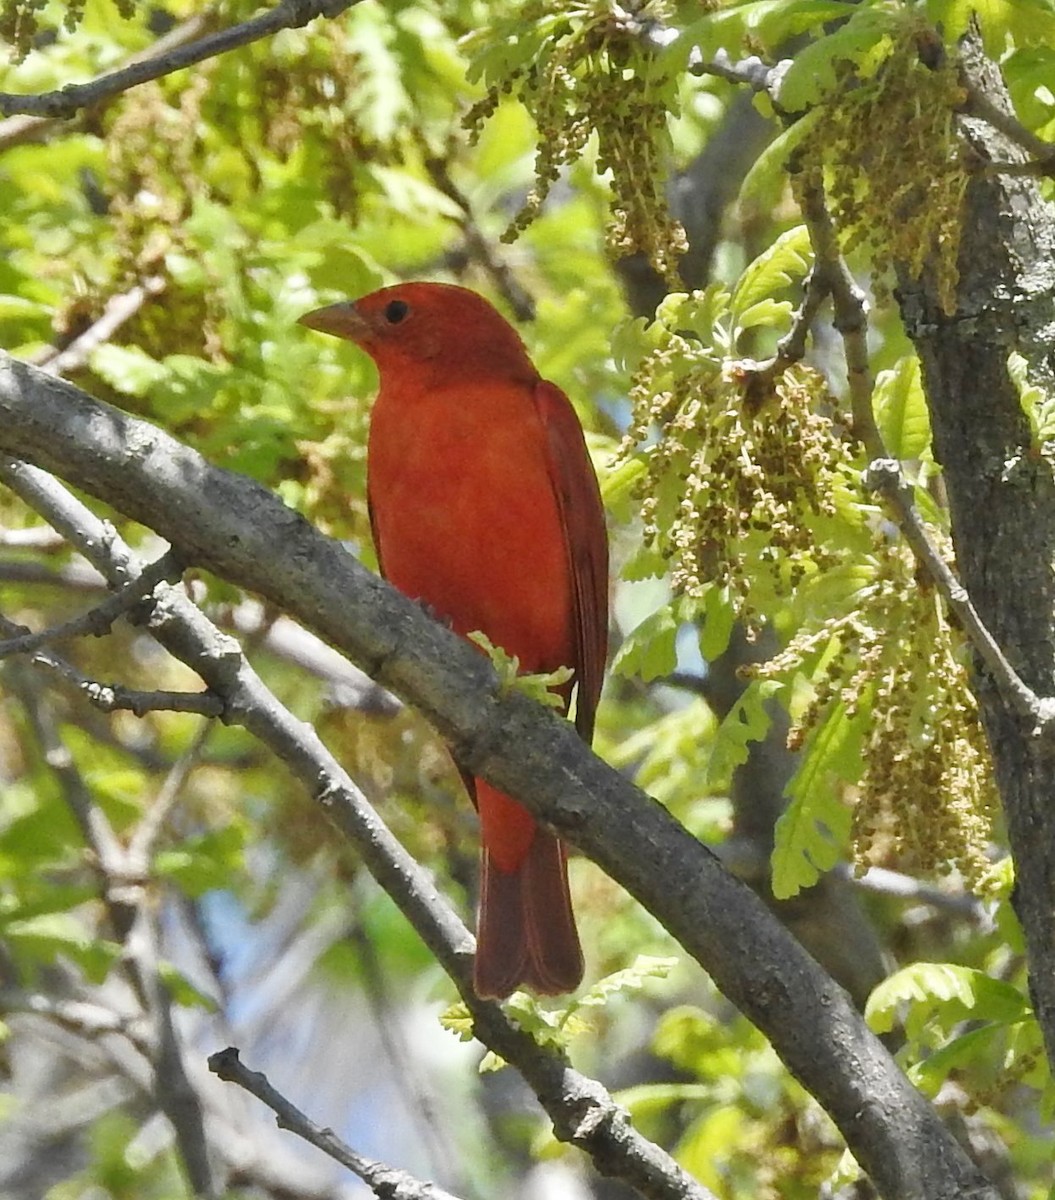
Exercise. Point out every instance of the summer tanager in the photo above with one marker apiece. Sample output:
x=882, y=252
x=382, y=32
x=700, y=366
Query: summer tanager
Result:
x=484, y=506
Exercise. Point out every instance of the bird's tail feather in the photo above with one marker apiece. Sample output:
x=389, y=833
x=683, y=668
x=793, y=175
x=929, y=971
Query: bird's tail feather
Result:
x=526, y=933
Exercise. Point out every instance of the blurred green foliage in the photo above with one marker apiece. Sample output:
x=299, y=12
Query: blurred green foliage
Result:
x=216, y=205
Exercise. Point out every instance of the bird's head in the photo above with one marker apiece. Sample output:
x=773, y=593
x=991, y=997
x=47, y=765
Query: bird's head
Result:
x=427, y=328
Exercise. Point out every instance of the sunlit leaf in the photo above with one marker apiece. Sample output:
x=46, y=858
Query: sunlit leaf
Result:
x=649, y=651
x=812, y=831
x=900, y=408
x=783, y=263
x=942, y=994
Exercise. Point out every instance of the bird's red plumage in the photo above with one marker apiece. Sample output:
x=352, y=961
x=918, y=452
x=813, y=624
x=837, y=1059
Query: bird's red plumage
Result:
x=485, y=507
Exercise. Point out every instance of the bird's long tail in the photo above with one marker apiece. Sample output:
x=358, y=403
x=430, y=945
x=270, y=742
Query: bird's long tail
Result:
x=526, y=931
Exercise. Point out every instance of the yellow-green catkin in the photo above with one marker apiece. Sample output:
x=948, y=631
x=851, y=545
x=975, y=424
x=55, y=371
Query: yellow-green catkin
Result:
x=595, y=74
x=735, y=483
x=894, y=171
x=21, y=21
x=926, y=799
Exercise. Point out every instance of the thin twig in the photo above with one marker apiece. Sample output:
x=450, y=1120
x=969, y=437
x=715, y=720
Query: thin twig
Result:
x=791, y=348
x=116, y=311
x=87, y=1019
x=389, y=1183
x=143, y=840
x=883, y=882
x=408, y=1076
x=173, y=1091
x=884, y=476
x=1042, y=152
x=758, y=75
x=100, y=619
x=114, y=697
x=1039, y=170
x=850, y=310
x=479, y=247
x=64, y=102
x=37, y=537
x=16, y=131
x=107, y=856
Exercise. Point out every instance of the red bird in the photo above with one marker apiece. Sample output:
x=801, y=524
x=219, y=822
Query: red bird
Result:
x=484, y=506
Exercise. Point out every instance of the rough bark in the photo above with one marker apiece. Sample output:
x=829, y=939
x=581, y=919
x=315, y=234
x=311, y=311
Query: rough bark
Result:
x=1001, y=489
x=237, y=529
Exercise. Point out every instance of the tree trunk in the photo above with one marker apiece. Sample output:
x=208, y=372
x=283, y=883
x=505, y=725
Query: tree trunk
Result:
x=1001, y=488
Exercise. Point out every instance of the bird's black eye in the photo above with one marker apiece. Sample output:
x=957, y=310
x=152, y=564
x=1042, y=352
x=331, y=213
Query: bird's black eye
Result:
x=395, y=311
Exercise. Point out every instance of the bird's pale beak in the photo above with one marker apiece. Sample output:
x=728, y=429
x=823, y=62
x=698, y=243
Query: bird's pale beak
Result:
x=342, y=320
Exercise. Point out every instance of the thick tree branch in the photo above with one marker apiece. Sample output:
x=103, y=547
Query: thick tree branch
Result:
x=239, y=530
x=288, y=14
x=581, y=1110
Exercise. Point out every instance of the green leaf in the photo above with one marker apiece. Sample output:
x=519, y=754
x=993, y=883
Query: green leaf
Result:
x=507, y=666
x=768, y=173
x=1038, y=406
x=815, y=826
x=778, y=267
x=707, y=1145
x=1023, y=22
x=20, y=307
x=695, y=1041
x=786, y=18
x=769, y=21
x=618, y=484
x=835, y=591
x=127, y=369
x=47, y=935
x=208, y=861
x=815, y=70
x=717, y=622
x=183, y=991
x=942, y=994
x=648, y=1099
x=649, y=651
x=629, y=979
x=747, y=721
x=978, y=1045
x=458, y=1020
x=766, y=314
x=900, y=409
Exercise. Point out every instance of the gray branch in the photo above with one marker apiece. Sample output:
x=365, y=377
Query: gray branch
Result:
x=386, y=1182
x=581, y=1110
x=68, y=100
x=243, y=533
x=1000, y=484
x=98, y=620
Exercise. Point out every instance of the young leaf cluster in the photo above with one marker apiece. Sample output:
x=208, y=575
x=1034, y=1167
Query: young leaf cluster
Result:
x=889, y=730
x=884, y=94
x=745, y=476
x=958, y=1021
x=583, y=69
